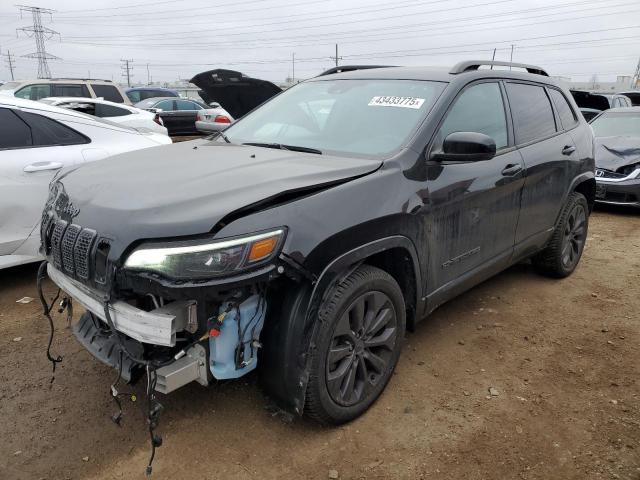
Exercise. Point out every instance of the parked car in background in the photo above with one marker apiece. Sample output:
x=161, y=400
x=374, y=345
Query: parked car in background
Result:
x=237, y=93
x=617, y=133
x=115, y=112
x=137, y=94
x=305, y=244
x=634, y=96
x=591, y=104
x=590, y=113
x=179, y=115
x=65, y=87
x=37, y=140
x=214, y=119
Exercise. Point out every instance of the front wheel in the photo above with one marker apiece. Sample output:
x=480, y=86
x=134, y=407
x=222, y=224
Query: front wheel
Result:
x=356, y=347
x=561, y=256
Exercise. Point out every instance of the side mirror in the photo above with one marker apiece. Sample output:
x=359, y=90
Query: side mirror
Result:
x=214, y=105
x=466, y=147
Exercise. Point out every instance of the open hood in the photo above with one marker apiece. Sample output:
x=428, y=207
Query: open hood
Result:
x=613, y=153
x=235, y=92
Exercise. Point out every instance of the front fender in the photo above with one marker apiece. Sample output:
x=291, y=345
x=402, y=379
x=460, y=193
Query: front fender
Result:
x=288, y=339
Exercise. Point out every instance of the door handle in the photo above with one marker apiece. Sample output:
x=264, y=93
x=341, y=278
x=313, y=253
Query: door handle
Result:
x=41, y=166
x=512, y=169
x=568, y=150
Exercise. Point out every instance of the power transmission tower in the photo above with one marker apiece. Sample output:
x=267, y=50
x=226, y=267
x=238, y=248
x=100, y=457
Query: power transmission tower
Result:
x=126, y=70
x=336, y=58
x=9, y=59
x=40, y=34
x=635, y=81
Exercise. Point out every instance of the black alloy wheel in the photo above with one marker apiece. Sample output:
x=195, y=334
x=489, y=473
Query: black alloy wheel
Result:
x=362, y=347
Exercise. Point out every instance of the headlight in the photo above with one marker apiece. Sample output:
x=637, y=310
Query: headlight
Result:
x=207, y=258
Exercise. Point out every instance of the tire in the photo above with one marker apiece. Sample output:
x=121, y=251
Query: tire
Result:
x=357, y=345
x=562, y=254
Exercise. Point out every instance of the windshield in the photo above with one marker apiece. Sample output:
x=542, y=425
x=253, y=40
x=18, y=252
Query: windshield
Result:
x=369, y=118
x=614, y=124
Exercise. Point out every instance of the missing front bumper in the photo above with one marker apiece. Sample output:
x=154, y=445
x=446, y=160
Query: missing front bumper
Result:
x=158, y=327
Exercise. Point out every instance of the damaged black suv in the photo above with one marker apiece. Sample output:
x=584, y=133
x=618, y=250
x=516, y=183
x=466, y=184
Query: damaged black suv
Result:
x=305, y=238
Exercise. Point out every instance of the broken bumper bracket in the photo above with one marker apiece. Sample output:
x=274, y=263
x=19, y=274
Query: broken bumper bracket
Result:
x=104, y=345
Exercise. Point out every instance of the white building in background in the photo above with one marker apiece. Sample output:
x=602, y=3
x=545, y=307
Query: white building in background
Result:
x=622, y=83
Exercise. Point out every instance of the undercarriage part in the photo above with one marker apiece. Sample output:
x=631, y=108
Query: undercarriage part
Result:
x=235, y=337
x=100, y=341
x=189, y=368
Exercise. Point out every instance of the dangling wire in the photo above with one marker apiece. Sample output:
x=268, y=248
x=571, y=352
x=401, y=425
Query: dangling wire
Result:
x=46, y=309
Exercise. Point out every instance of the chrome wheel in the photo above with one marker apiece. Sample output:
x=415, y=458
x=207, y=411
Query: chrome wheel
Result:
x=361, y=350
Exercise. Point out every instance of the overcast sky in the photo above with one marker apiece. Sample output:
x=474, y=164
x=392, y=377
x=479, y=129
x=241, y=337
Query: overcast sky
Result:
x=177, y=39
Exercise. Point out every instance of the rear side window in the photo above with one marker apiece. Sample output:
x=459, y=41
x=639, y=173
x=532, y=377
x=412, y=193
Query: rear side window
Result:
x=532, y=114
x=47, y=132
x=34, y=92
x=110, y=111
x=14, y=132
x=166, y=105
x=108, y=92
x=72, y=90
x=565, y=112
x=187, y=105
x=478, y=109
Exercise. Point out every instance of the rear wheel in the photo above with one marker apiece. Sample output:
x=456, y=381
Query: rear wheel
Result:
x=560, y=258
x=357, y=346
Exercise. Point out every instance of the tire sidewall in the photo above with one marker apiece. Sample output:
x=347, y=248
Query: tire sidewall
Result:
x=330, y=314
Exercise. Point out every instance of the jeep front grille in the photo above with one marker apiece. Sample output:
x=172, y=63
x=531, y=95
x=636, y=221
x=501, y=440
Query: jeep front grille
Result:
x=71, y=248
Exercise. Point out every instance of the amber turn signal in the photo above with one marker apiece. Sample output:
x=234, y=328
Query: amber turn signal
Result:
x=262, y=248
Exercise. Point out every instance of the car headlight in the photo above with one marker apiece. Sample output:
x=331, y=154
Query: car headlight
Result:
x=208, y=258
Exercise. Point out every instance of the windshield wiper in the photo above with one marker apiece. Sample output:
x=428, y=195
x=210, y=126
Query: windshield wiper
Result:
x=223, y=136
x=280, y=146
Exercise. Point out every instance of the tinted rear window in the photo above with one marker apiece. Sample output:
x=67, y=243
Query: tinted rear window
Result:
x=14, y=132
x=71, y=90
x=565, y=112
x=531, y=110
x=110, y=111
x=108, y=92
x=47, y=132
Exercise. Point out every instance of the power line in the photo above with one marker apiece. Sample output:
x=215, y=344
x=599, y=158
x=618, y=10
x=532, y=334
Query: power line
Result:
x=362, y=37
x=40, y=33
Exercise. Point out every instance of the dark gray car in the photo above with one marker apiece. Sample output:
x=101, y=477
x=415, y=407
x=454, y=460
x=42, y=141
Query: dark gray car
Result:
x=617, y=134
x=311, y=234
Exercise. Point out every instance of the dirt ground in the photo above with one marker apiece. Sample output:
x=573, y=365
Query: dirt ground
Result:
x=563, y=358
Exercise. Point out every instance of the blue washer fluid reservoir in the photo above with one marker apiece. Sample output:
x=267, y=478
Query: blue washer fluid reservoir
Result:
x=223, y=347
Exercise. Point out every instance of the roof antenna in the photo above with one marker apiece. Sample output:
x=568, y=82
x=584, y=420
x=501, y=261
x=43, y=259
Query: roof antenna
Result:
x=493, y=57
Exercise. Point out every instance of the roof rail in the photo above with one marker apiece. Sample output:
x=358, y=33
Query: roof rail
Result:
x=470, y=65
x=351, y=68
x=81, y=79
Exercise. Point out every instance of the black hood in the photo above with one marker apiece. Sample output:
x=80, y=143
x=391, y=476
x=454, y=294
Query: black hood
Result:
x=181, y=190
x=613, y=153
x=235, y=92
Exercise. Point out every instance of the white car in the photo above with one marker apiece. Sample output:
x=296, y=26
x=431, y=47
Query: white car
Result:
x=115, y=112
x=37, y=140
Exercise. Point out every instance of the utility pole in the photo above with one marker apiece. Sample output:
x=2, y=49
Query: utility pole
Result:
x=148, y=76
x=40, y=34
x=511, y=57
x=126, y=70
x=9, y=59
x=293, y=68
x=336, y=58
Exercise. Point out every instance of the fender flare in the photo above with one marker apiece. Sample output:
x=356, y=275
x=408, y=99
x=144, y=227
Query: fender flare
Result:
x=289, y=340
